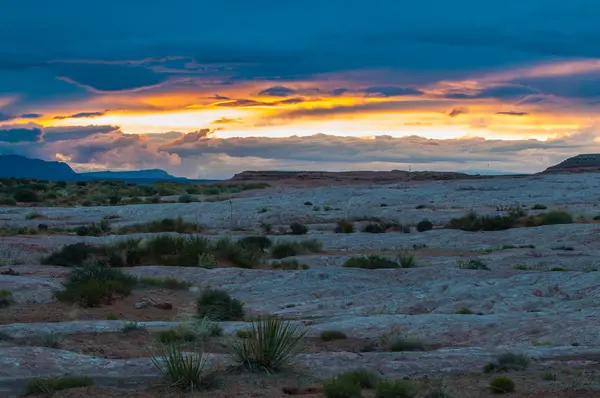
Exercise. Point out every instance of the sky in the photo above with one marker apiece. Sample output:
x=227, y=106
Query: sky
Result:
x=209, y=89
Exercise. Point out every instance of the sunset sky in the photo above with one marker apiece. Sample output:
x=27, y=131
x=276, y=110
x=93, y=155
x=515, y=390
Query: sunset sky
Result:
x=208, y=89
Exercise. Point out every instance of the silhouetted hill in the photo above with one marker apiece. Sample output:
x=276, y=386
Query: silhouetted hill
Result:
x=584, y=163
x=22, y=167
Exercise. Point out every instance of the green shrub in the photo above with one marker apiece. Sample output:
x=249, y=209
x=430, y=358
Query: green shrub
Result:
x=94, y=285
x=395, y=389
x=273, y=345
x=464, y=311
x=344, y=227
x=185, y=198
x=48, y=385
x=375, y=228
x=260, y=242
x=549, y=376
x=424, y=225
x=407, y=261
x=168, y=283
x=342, y=387
x=6, y=298
x=244, y=334
x=397, y=341
x=474, y=263
x=186, y=371
x=178, y=334
x=72, y=255
x=112, y=316
x=474, y=222
x=165, y=225
x=218, y=305
x=539, y=207
x=502, y=385
x=330, y=335
x=298, y=229
x=371, y=262
x=362, y=377
x=26, y=196
x=133, y=327
x=289, y=265
x=506, y=362
x=33, y=215
x=556, y=217
x=289, y=249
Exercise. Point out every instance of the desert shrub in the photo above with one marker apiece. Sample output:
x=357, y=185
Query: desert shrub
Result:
x=330, y=335
x=342, y=387
x=502, y=385
x=406, y=261
x=245, y=256
x=424, y=225
x=297, y=228
x=374, y=228
x=6, y=298
x=70, y=255
x=371, y=262
x=473, y=222
x=308, y=204
x=185, y=198
x=549, y=376
x=89, y=230
x=362, y=377
x=344, y=227
x=556, y=217
x=133, y=327
x=112, y=317
x=464, y=311
x=244, y=334
x=289, y=249
x=26, y=196
x=260, y=242
x=177, y=334
x=273, y=345
x=473, y=263
x=10, y=272
x=7, y=201
x=539, y=207
x=165, y=225
x=395, y=389
x=187, y=371
x=218, y=305
x=50, y=340
x=48, y=385
x=169, y=283
x=397, y=341
x=289, y=265
x=93, y=285
x=506, y=362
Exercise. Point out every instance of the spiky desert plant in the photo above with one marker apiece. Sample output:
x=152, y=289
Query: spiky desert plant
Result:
x=184, y=370
x=272, y=345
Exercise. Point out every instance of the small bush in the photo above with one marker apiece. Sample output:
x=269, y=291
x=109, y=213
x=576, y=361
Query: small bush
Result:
x=556, y=217
x=397, y=341
x=464, y=311
x=33, y=215
x=342, y=387
x=549, y=376
x=273, y=345
x=185, y=198
x=218, y=305
x=6, y=298
x=290, y=249
x=362, y=377
x=187, y=371
x=26, y=196
x=330, y=335
x=93, y=285
x=407, y=261
x=298, y=229
x=178, y=334
x=260, y=242
x=244, y=334
x=51, y=340
x=371, y=262
x=395, y=389
x=374, y=228
x=502, y=385
x=289, y=265
x=506, y=362
x=474, y=222
x=474, y=263
x=112, y=316
x=539, y=207
x=48, y=385
x=70, y=255
x=165, y=225
x=424, y=225
x=132, y=327
x=344, y=227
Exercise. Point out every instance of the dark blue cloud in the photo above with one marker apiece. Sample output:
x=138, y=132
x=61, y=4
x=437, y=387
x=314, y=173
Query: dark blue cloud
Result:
x=277, y=91
x=503, y=91
x=15, y=135
x=392, y=91
x=30, y=115
x=80, y=115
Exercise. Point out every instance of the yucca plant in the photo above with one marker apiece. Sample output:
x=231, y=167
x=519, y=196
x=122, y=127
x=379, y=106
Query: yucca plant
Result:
x=272, y=345
x=184, y=370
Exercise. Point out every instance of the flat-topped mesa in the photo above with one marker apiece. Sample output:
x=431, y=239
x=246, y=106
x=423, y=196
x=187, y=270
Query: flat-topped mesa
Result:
x=343, y=177
x=577, y=164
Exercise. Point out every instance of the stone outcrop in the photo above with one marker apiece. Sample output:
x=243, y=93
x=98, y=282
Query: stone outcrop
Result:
x=585, y=163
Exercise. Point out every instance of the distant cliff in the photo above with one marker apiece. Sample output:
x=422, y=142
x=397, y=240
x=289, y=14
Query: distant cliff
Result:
x=585, y=163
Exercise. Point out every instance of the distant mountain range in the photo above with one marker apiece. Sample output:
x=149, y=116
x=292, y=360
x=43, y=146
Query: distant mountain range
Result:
x=22, y=167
